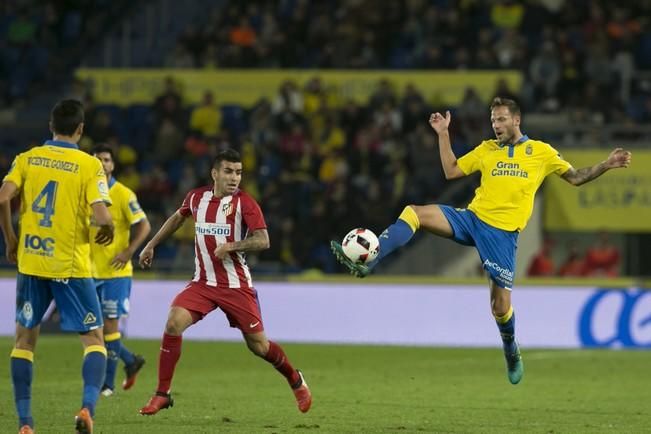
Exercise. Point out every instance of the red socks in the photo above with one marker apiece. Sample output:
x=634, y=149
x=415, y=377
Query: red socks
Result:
x=170, y=352
x=276, y=356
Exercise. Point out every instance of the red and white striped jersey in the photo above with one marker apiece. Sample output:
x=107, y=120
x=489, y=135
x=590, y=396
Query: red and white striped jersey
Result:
x=218, y=220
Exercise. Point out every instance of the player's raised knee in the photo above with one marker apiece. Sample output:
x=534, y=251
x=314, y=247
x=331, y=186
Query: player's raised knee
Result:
x=260, y=349
x=410, y=215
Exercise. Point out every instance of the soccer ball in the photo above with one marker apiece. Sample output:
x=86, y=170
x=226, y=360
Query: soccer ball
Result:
x=360, y=245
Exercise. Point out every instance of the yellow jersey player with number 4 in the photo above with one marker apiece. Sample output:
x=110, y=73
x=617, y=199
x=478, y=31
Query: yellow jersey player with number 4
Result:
x=112, y=271
x=59, y=187
x=512, y=168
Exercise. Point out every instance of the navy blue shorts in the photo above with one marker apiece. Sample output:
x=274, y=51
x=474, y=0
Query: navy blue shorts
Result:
x=76, y=299
x=496, y=247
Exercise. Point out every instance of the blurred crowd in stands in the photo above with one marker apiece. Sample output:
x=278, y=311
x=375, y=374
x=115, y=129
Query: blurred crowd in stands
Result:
x=574, y=53
x=311, y=163
x=38, y=38
x=315, y=165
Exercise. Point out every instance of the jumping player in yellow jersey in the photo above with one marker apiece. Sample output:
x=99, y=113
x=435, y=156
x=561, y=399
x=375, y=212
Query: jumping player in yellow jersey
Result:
x=512, y=168
x=59, y=187
x=112, y=271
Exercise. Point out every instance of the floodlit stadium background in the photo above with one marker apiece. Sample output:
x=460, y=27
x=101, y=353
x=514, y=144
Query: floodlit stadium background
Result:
x=328, y=104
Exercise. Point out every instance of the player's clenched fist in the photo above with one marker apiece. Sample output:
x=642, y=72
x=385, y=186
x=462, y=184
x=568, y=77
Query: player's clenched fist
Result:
x=146, y=257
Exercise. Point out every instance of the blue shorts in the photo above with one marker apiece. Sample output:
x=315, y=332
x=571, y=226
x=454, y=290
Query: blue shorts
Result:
x=114, y=296
x=76, y=300
x=496, y=247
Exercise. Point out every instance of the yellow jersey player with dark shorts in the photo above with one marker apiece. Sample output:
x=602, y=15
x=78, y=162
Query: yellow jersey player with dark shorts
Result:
x=112, y=271
x=512, y=167
x=59, y=188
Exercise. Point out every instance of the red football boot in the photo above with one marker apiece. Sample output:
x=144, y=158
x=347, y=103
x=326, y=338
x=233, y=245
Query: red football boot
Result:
x=303, y=395
x=156, y=403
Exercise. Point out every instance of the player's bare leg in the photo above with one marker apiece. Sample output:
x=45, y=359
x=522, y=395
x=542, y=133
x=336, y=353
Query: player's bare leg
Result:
x=274, y=354
x=178, y=320
x=412, y=218
x=432, y=219
x=503, y=313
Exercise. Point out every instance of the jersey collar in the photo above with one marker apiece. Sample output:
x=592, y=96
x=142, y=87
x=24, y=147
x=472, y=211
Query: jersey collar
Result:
x=523, y=139
x=112, y=181
x=61, y=144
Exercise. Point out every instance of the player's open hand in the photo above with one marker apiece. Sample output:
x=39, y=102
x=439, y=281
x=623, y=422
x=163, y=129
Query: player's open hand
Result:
x=104, y=235
x=223, y=250
x=438, y=122
x=146, y=257
x=121, y=259
x=618, y=158
x=11, y=249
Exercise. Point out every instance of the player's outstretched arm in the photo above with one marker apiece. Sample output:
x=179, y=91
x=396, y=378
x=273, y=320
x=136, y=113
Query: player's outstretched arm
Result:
x=7, y=191
x=617, y=159
x=256, y=241
x=170, y=226
x=440, y=124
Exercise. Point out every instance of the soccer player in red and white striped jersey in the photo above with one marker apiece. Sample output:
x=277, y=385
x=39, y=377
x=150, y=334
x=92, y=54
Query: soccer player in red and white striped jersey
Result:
x=228, y=223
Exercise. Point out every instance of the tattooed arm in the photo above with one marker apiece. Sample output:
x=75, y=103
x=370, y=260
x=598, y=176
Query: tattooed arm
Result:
x=618, y=158
x=256, y=241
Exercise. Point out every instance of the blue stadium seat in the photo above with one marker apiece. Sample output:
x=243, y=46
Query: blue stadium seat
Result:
x=234, y=119
x=118, y=122
x=140, y=125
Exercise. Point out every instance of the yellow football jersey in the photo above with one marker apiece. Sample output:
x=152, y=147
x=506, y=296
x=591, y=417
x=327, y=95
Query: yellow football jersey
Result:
x=510, y=177
x=125, y=211
x=57, y=184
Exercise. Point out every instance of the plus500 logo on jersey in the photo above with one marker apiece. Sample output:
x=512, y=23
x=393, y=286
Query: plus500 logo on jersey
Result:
x=616, y=318
x=39, y=246
x=218, y=229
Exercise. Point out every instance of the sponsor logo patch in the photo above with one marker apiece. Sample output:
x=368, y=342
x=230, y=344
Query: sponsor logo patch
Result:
x=216, y=229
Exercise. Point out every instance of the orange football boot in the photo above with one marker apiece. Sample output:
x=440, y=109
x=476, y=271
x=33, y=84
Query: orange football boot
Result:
x=84, y=422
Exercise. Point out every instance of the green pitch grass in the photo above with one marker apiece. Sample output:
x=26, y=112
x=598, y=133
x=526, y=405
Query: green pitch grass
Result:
x=221, y=387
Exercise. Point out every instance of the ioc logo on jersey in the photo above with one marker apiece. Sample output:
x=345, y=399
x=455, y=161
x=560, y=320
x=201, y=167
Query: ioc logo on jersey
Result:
x=41, y=246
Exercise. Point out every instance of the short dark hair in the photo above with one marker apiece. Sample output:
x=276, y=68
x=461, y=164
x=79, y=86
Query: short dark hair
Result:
x=510, y=104
x=65, y=117
x=101, y=148
x=226, y=155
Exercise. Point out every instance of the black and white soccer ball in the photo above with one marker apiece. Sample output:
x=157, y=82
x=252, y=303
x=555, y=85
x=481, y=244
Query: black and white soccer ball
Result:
x=361, y=245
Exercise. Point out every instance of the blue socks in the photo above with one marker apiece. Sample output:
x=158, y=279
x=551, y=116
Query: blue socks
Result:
x=398, y=234
x=506, y=325
x=21, y=376
x=112, y=358
x=393, y=237
x=116, y=351
x=93, y=371
x=126, y=355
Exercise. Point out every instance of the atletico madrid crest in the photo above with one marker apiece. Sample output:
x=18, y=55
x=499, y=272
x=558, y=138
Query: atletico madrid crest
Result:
x=227, y=208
